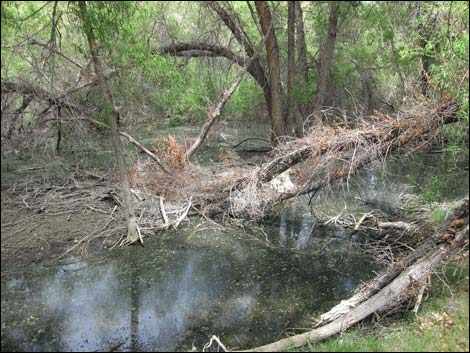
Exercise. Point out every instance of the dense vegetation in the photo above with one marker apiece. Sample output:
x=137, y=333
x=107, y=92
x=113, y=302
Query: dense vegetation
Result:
x=370, y=56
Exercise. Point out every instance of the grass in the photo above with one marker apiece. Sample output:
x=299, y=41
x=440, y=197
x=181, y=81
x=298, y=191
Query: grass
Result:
x=440, y=325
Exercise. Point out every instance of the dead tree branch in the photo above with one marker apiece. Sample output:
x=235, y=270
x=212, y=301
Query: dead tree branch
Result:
x=395, y=287
x=215, y=112
x=136, y=143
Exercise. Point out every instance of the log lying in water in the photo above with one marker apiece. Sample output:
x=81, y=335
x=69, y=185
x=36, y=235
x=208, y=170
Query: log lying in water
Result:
x=391, y=289
x=334, y=153
x=367, y=143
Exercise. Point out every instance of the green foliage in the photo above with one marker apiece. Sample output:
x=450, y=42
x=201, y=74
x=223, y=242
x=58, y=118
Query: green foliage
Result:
x=176, y=120
x=376, y=49
x=434, y=192
x=108, y=20
x=449, y=49
x=438, y=215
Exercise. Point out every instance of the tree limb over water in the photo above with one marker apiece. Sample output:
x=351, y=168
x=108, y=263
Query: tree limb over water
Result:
x=330, y=154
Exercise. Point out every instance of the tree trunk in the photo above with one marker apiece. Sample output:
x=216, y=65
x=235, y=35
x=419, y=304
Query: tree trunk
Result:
x=272, y=51
x=425, y=60
x=291, y=106
x=132, y=230
x=270, y=84
x=327, y=55
x=255, y=68
x=301, y=59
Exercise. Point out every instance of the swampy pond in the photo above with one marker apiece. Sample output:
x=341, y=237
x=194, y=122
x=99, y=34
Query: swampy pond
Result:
x=188, y=284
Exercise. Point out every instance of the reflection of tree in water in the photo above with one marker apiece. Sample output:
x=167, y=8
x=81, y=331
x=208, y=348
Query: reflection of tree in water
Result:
x=179, y=296
x=295, y=232
x=134, y=305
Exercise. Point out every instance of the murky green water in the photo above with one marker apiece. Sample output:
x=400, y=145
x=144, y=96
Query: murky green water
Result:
x=431, y=173
x=174, y=293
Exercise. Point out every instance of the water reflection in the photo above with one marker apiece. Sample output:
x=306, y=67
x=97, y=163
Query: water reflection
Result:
x=163, y=300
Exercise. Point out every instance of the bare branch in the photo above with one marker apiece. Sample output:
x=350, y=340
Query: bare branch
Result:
x=136, y=143
x=35, y=42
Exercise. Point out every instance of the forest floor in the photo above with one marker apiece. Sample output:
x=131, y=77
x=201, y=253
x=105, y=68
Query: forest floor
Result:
x=29, y=237
x=44, y=216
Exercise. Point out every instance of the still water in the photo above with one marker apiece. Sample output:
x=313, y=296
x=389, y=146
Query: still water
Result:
x=175, y=293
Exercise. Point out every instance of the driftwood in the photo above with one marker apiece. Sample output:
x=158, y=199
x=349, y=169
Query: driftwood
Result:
x=393, y=288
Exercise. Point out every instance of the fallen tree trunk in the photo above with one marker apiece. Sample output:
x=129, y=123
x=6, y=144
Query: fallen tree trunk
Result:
x=392, y=134
x=393, y=288
x=338, y=153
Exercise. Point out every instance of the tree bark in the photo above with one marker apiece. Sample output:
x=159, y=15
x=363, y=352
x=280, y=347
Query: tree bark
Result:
x=256, y=69
x=272, y=51
x=425, y=60
x=271, y=86
x=327, y=56
x=291, y=106
x=301, y=59
x=132, y=228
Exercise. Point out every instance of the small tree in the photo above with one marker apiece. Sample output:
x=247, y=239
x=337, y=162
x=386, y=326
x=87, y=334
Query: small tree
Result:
x=88, y=28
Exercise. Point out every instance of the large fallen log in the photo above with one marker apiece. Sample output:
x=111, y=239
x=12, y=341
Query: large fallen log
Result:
x=391, y=133
x=393, y=288
x=332, y=154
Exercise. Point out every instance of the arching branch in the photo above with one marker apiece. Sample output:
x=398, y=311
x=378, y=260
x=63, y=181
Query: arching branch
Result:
x=256, y=70
x=197, y=50
x=200, y=49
